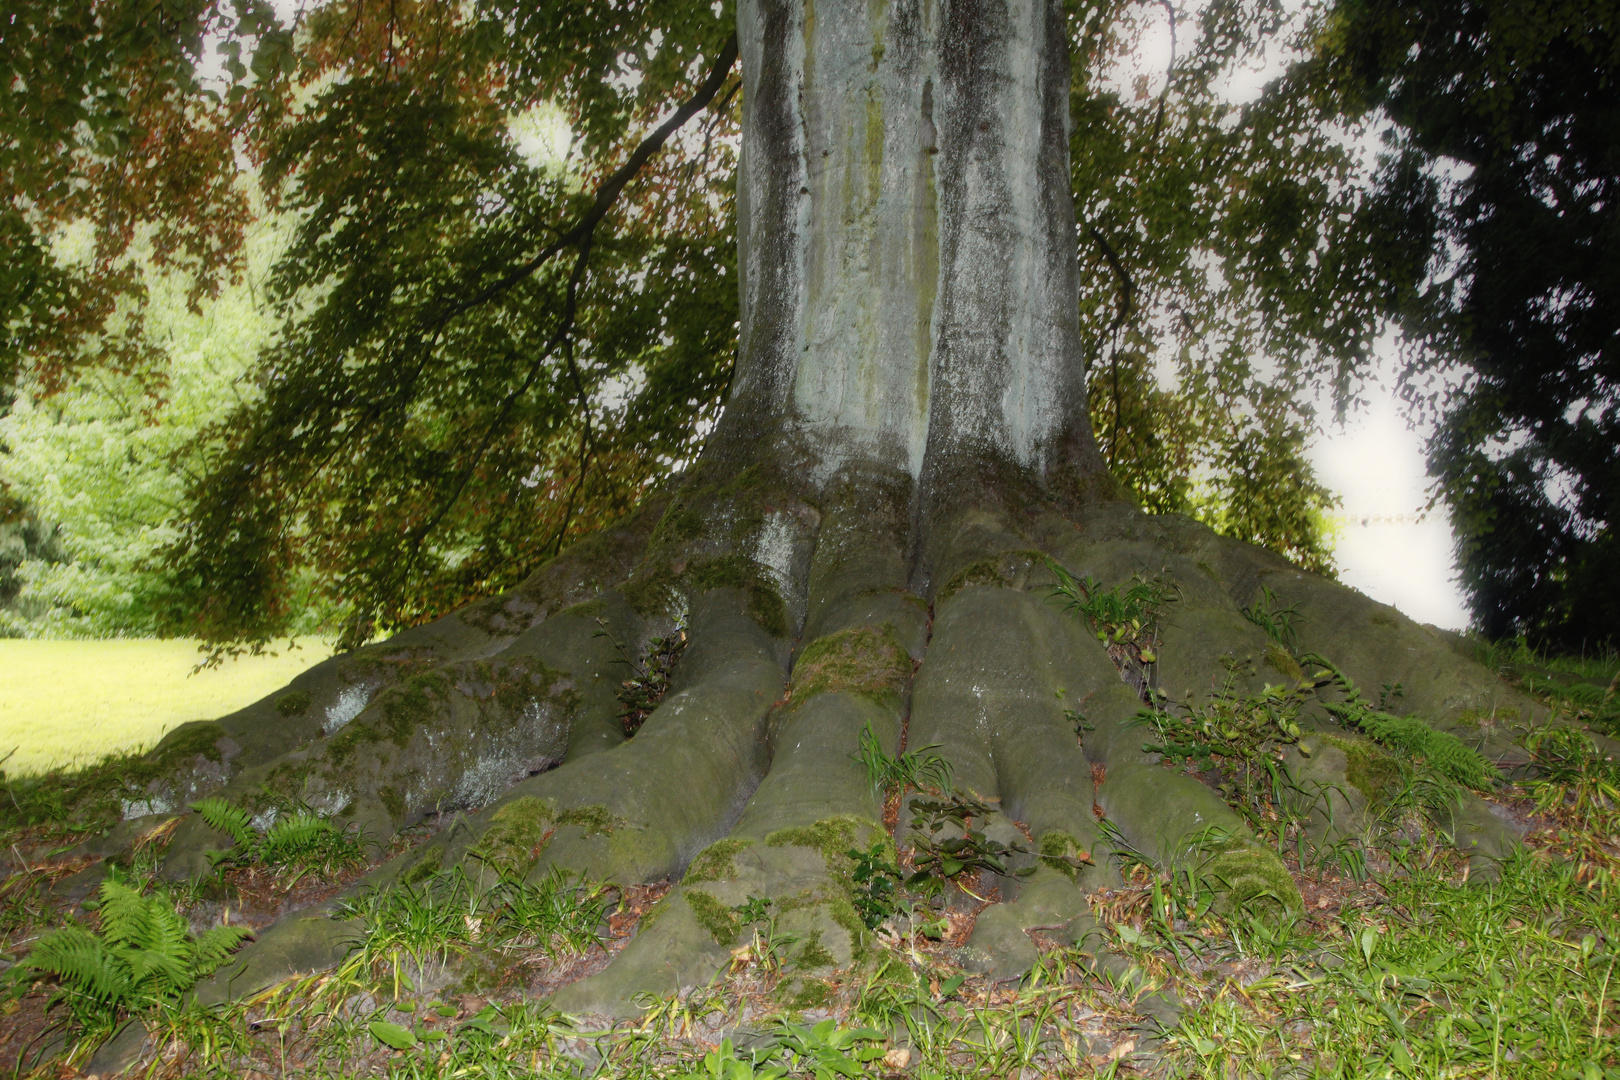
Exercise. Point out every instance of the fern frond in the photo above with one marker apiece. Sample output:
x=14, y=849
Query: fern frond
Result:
x=231, y=820
x=80, y=962
x=125, y=915
x=298, y=836
x=214, y=947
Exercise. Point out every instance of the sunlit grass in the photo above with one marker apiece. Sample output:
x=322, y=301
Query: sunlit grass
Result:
x=66, y=702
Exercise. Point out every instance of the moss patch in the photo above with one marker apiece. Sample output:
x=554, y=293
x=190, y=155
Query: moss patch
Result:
x=1368, y=769
x=735, y=572
x=431, y=862
x=1253, y=879
x=831, y=836
x=717, y=862
x=866, y=661
x=813, y=954
x=810, y=994
x=721, y=922
x=1279, y=660
x=294, y=704
x=1057, y=848
x=517, y=834
x=996, y=570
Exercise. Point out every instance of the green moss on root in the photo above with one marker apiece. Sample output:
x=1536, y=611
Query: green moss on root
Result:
x=806, y=995
x=996, y=570
x=736, y=572
x=517, y=834
x=1278, y=659
x=831, y=836
x=717, y=862
x=866, y=661
x=431, y=862
x=1369, y=769
x=1057, y=848
x=1252, y=879
x=721, y=922
x=813, y=954
x=292, y=704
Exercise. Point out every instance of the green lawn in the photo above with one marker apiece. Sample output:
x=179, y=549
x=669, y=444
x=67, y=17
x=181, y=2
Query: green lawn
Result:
x=64, y=702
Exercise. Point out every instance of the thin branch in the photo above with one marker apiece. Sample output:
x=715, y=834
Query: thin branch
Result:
x=610, y=189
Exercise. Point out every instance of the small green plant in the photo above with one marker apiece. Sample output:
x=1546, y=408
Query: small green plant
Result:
x=295, y=843
x=143, y=956
x=825, y=1051
x=877, y=884
x=558, y=914
x=936, y=860
x=1275, y=618
x=1244, y=727
x=724, y=1062
x=1123, y=617
x=1575, y=779
x=918, y=769
x=640, y=695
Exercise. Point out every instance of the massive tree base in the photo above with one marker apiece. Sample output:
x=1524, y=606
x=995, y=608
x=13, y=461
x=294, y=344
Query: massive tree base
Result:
x=817, y=619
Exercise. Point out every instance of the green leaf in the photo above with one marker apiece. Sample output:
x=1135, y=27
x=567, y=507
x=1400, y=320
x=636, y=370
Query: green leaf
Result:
x=393, y=1035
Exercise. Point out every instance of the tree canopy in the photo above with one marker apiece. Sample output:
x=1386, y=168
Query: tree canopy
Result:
x=1499, y=178
x=485, y=349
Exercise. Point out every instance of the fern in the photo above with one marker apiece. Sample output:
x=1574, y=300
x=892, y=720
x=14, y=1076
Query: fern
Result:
x=144, y=956
x=300, y=841
x=1441, y=751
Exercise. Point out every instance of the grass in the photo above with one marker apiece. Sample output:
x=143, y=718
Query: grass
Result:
x=64, y=703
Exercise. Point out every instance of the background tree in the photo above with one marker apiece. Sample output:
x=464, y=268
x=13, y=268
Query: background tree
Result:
x=1496, y=199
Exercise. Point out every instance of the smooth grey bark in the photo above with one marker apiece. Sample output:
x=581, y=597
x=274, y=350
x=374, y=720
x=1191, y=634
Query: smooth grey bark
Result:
x=907, y=241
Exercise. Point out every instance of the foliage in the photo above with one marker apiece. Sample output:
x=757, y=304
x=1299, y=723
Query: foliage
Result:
x=104, y=457
x=558, y=913
x=299, y=842
x=725, y=1063
x=24, y=538
x=1275, y=618
x=1222, y=266
x=1574, y=778
x=877, y=884
x=1497, y=197
x=919, y=769
x=143, y=956
x=826, y=1050
x=1246, y=728
x=506, y=303
x=1440, y=751
x=963, y=849
x=1125, y=616
x=640, y=695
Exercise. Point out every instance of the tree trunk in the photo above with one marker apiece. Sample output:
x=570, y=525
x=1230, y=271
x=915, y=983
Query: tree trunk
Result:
x=866, y=545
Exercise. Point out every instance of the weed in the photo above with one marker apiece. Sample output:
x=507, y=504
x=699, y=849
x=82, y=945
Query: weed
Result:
x=1124, y=617
x=918, y=769
x=1576, y=781
x=558, y=914
x=640, y=695
x=877, y=884
x=936, y=859
x=1275, y=618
